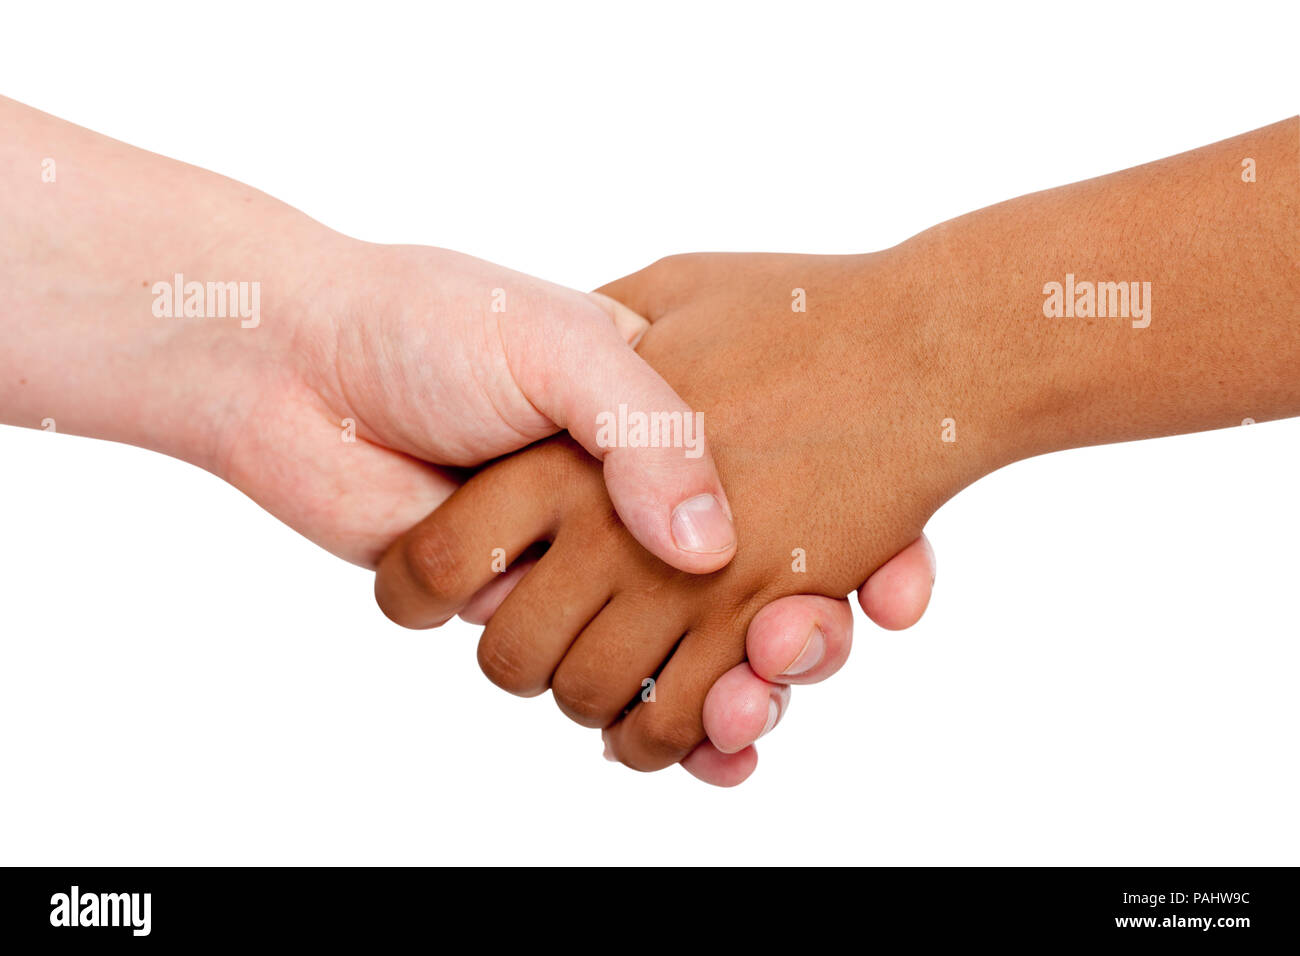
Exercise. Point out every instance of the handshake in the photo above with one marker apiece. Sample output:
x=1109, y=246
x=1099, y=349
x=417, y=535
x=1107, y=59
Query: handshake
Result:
x=680, y=476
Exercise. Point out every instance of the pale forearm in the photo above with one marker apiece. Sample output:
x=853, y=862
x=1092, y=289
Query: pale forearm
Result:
x=89, y=228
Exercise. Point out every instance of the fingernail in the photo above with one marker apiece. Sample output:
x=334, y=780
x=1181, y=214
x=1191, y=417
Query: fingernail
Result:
x=773, y=712
x=630, y=324
x=810, y=656
x=609, y=753
x=701, y=526
x=634, y=332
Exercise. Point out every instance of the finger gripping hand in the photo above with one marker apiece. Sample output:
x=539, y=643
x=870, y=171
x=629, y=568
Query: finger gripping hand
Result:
x=834, y=478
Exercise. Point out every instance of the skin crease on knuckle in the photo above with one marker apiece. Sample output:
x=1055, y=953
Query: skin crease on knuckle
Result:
x=435, y=562
x=582, y=698
x=663, y=738
x=500, y=652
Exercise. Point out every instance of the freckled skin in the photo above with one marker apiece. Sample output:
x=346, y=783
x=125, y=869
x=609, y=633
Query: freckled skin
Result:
x=826, y=424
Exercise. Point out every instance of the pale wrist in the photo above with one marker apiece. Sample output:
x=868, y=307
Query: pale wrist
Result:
x=151, y=301
x=239, y=329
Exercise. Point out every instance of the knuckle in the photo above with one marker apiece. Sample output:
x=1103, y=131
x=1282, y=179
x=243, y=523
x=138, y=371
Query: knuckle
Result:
x=663, y=741
x=583, y=700
x=502, y=659
x=436, y=565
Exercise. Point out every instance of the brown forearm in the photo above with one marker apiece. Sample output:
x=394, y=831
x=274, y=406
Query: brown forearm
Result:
x=1209, y=335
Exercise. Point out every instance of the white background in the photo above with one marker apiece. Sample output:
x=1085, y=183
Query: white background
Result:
x=1107, y=674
